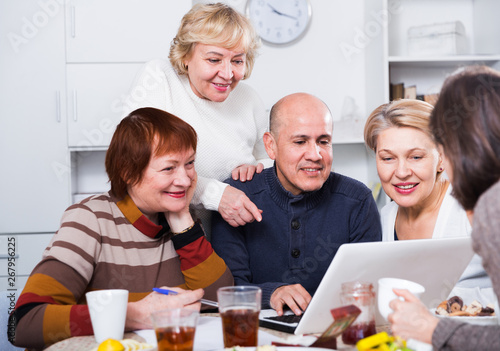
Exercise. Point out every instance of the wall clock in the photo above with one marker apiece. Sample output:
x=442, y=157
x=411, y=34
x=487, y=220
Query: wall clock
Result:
x=279, y=22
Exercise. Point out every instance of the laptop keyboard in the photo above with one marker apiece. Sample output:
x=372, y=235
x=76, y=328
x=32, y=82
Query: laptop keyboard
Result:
x=286, y=318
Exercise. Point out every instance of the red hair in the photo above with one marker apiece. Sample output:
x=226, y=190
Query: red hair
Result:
x=131, y=147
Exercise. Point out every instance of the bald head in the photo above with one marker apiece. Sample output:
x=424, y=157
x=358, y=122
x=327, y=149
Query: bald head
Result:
x=293, y=106
x=300, y=142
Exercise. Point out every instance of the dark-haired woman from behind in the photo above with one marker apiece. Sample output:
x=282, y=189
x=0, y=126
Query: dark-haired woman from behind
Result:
x=466, y=124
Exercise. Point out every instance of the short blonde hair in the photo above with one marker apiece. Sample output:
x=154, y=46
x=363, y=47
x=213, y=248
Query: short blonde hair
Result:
x=399, y=113
x=218, y=25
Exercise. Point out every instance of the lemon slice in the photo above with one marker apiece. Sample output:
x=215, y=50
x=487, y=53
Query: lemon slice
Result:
x=111, y=345
x=132, y=345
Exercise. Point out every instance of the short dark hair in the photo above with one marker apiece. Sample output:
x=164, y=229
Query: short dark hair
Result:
x=131, y=147
x=466, y=122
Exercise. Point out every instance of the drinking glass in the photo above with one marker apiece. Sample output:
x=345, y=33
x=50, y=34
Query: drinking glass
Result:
x=239, y=307
x=175, y=328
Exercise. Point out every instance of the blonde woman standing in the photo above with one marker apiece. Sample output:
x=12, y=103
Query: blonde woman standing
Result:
x=214, y=49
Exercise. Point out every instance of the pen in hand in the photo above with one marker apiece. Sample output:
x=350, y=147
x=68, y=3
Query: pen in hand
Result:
x=172, y=292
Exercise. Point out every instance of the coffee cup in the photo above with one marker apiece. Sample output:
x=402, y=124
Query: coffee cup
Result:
x=386, y=293
x=108, y=311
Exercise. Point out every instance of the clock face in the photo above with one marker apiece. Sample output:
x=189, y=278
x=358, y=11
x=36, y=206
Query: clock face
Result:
x=279, y=21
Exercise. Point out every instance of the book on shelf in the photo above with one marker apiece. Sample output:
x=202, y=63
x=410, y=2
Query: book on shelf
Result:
x=397, y=91
x=430, y=98
x=410, y=92
x=400, y=91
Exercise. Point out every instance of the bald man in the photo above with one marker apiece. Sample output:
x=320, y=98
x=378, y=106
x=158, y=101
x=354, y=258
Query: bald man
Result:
x=308, y=211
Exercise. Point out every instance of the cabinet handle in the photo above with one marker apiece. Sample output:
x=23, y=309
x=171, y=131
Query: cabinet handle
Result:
x=73, y=26
x=75, y=109
x=58, y=106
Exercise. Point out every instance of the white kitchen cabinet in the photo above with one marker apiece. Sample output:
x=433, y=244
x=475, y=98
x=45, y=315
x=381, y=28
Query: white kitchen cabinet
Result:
x=95, y=101
x=121, y=31
x=106, y=44
x=19, y=254
x=34, y=182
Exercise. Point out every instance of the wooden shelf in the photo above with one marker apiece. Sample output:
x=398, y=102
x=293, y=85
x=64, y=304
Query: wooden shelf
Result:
x=438, y=61
x=346, y=141
x=87, y=148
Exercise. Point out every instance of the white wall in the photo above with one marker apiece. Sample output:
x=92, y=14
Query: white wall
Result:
x=316, y=64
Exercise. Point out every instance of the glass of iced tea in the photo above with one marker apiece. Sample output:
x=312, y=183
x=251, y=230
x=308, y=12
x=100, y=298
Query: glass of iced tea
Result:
x=175, y=328
x=239, y=307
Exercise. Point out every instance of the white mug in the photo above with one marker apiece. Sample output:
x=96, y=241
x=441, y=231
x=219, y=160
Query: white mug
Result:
x=108, y=311
x=386, y=294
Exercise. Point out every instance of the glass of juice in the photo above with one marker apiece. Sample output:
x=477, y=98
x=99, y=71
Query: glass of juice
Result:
x=239, y=307
x=175, y=328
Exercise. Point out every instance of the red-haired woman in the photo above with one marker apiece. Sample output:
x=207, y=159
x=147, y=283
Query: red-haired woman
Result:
x=137, y=236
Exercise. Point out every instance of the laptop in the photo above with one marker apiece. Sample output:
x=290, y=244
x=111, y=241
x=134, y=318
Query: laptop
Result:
x=437, y=264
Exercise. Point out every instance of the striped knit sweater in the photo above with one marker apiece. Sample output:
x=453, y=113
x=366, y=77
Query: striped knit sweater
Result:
x=107, y=244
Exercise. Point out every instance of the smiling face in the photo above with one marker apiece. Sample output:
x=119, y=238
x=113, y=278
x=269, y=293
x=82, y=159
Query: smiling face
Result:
x=407, y=164
x=302, y=144
x=164, y=184
x=214, y=72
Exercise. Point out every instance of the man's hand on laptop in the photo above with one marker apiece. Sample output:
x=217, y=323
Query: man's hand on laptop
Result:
x=294, y=296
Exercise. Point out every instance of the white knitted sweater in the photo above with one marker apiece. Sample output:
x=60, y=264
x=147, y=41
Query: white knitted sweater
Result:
x=229, y=132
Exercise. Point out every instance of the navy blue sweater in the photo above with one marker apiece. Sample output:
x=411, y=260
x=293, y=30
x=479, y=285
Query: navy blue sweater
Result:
x=298, y=235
